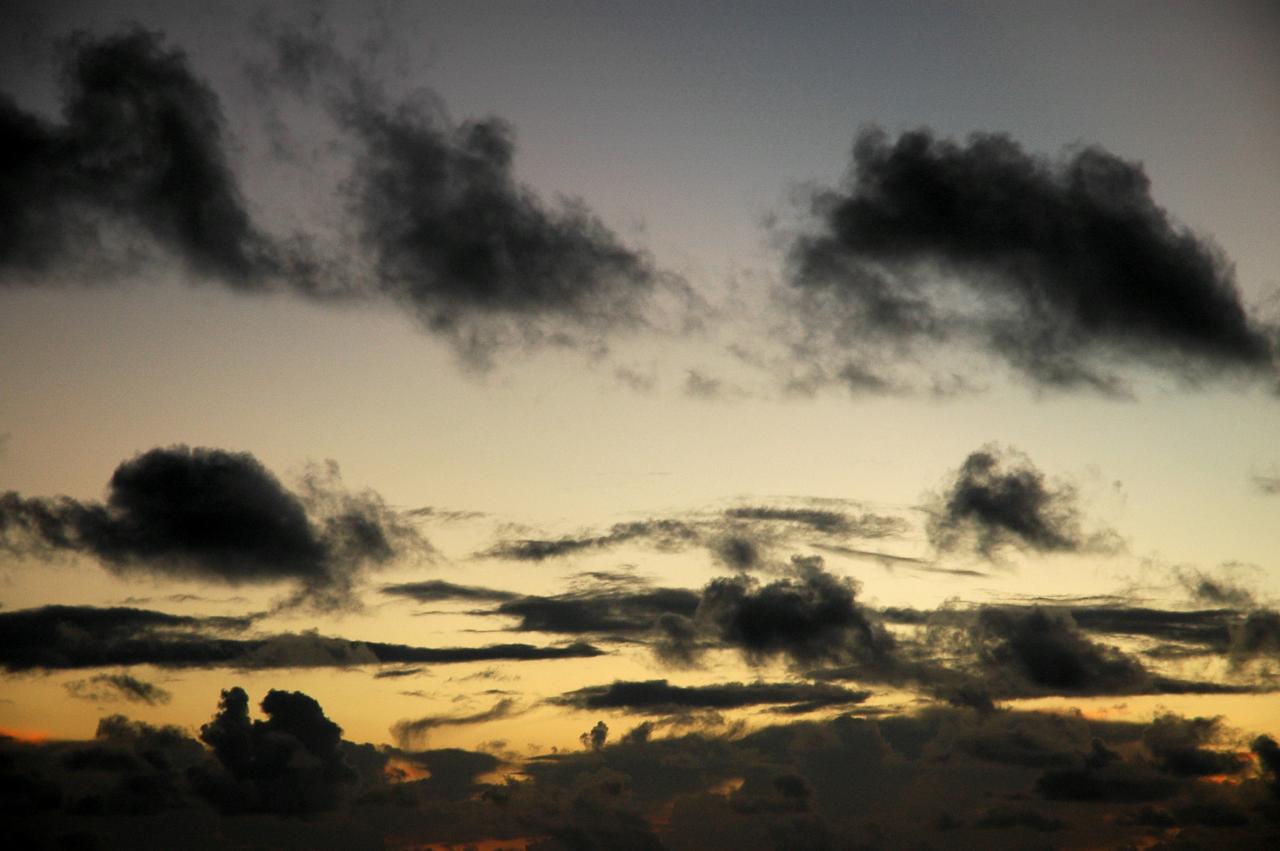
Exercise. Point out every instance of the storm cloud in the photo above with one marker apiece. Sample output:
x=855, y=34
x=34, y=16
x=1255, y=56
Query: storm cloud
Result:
x=998, y=499
x=140, y=149
x=218, y=516
x=1060, y=268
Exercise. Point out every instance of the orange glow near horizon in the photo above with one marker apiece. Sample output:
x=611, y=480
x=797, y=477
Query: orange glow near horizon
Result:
x=31, y=737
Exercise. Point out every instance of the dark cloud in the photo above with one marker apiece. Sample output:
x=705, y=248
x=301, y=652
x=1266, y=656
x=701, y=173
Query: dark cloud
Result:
x=602, y=611
x=998, y=498
x=72, y=637
x=865, y=525
x=290, y=763
x=808, y=618
x=658, y=697
x=109, y=687
x=1060, y=268
x=436, y=590
x=413, y=734
x=219, y=516
x=1257, y=636
x=595, y=737
x=1213, y=591
x=140, y=148
x=1178, y=745
x=1042, y=651
x=663, y=534
x=931, y=777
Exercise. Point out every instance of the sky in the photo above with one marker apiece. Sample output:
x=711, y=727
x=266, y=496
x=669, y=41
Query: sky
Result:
x=686, y=426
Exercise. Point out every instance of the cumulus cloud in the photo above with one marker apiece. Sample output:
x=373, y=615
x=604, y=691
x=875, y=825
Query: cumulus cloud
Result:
x=140, y=149
x=290, y=763
x=809, y=617
x=1060, y=268
x=998, y=498
x=219, y=516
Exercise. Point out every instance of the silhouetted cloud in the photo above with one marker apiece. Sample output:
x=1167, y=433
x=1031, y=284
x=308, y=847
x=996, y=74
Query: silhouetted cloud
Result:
x=659, y=697
x=603, y=611
x=140, y=147
x=866, y=525
x=71, y=637
x=663, y=534
x=290, y=763
x=436, y=590
x=595, y=737
x=413, y=734
x=219, y=516
x=1060, y=268
x=1030, y=651
x=109, y=687
x=807, y=618
x=998, y=498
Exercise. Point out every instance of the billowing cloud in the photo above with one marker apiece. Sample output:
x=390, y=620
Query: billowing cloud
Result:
x=121, y=686
x=1059, y=268
x=140, y=149
x=218, y=516
x=290, y=763
x=659, y=697
x=998, y=499
x=807, y=618
x=74, y=637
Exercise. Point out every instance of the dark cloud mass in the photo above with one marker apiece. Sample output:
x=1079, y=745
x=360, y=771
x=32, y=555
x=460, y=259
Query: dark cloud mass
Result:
x=1060, y=268
x=808, y=618
x=936, y=777
x=290, y=763
x=140, y=145
x=457, y=238
x=998, y=498
x=73, y=637
x=658, y=697
x=218, y=516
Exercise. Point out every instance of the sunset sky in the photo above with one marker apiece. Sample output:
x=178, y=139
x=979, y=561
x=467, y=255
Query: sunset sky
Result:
x=670, y=425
